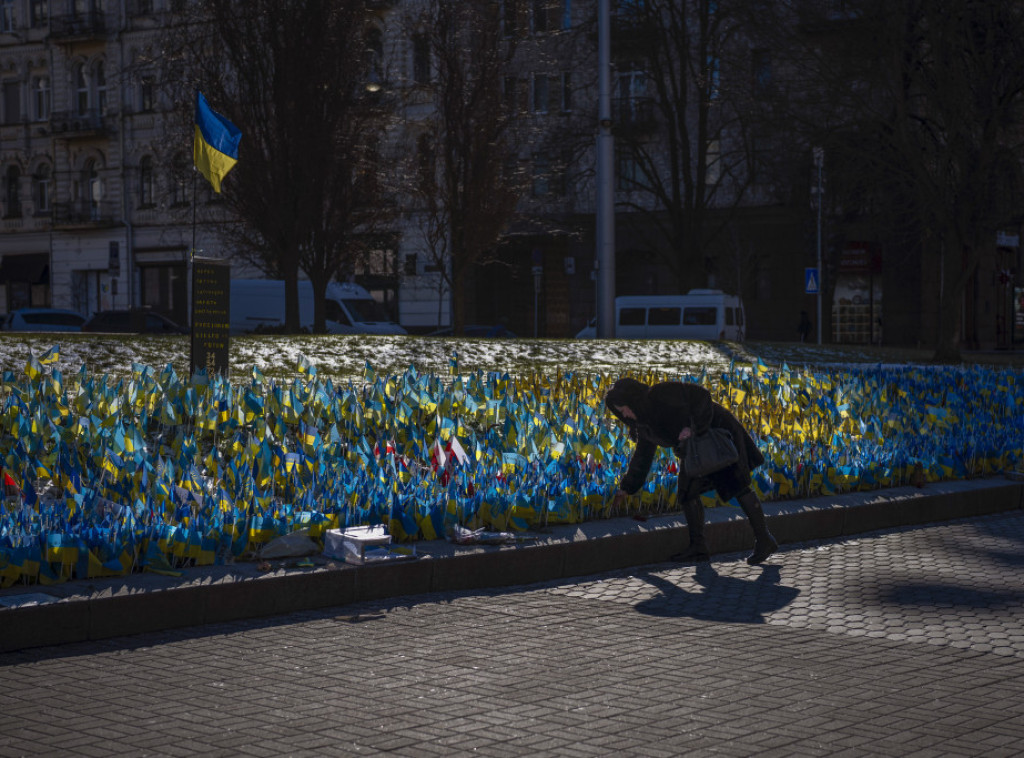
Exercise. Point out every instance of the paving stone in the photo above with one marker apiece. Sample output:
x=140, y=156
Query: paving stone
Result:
x=905, y=642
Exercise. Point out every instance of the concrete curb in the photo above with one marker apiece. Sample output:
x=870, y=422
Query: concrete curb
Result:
x=91, y=610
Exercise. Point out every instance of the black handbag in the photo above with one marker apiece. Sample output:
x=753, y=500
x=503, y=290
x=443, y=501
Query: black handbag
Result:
x=711, y=451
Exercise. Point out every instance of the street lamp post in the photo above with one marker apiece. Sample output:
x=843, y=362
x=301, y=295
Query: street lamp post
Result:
x=605, y=200
x=819, y=163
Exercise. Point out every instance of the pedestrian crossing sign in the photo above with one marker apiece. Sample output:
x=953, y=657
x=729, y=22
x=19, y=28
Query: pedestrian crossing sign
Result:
x=811, y=281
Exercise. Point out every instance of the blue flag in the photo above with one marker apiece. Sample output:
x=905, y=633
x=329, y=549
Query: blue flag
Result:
x=215, y=150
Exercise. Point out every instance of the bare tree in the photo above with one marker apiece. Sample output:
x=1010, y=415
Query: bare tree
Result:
x=918, y=106
x=686, y=130
x=465, y=189
x=292, y=74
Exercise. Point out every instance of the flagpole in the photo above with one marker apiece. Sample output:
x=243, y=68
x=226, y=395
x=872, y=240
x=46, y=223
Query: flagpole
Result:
x=192, y=252
x=190, y=278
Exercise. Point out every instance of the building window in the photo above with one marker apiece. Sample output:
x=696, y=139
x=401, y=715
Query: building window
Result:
x=7, y=16
x=761, y=150
x=630, y=86
x=146, y=196
x=713, y=84
x=146, y=96
x=180, y=170
x=567, y=14
x=12, y=192
x=541, y=175
x=565, y=101
x=630, y=10
x=39, y=13
x=41, y=189
x=510, y=18
x=81, y=91
x=761, y=71
x=12, y=102
x=560, y=174
x=713, y=163
x=629, y=173
x=630, y=97
x=508, y=92
x=83, y=8
x=539, y=16
x=425, y=159
x=375, y=51
x=90, y=89
x=100, y=73
x=421, y=58
x=41, y=98
x=540, y=93
x=88, y=191
x=181, y=174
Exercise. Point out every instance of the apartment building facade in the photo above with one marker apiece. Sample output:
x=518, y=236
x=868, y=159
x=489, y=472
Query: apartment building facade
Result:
x=101, y=208
x=96, y=195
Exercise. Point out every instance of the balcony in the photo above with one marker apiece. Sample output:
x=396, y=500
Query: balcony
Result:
x=71, y=125
x=84, y=215
x=78, y=27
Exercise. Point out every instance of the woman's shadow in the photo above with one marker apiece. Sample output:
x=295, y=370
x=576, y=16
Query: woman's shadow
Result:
x=719, y=598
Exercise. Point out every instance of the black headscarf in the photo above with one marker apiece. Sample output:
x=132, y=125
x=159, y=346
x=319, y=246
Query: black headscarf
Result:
x=629, y=392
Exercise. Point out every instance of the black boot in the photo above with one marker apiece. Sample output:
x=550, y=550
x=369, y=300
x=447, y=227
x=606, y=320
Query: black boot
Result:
x=697, y=551
x=764, y=543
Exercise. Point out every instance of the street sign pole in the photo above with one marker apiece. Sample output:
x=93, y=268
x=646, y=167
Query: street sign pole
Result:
x=819, y=162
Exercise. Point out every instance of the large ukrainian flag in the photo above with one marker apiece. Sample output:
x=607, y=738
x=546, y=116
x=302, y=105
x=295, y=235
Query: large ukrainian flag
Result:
x=215, y=151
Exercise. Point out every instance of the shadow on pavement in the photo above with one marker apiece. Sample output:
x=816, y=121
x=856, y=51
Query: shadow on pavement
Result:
x=939, y=595
x=718, y=597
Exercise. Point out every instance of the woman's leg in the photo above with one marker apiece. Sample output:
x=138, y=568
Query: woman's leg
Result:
x=764, y=542
x=693, y=511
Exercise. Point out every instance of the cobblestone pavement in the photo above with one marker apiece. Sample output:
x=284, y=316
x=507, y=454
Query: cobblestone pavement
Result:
x=904, y=643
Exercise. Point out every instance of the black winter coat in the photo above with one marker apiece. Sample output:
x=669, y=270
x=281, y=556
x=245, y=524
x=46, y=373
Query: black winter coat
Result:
x=662, y=411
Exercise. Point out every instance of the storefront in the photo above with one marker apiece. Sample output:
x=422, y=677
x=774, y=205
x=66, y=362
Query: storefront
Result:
x=25, y=281
x=857, y=299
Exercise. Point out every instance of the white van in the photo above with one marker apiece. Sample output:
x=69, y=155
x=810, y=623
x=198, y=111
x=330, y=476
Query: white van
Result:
x=700, y=314
x=258, y=304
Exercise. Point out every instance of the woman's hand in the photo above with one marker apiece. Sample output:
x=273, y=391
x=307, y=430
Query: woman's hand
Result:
x=685, y=434
x=619, y=500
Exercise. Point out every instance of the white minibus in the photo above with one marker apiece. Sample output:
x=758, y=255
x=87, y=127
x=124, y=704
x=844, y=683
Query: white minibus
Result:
x=700, y=314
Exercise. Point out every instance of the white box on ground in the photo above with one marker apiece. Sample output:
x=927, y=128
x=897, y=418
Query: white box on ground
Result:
x=363, y=544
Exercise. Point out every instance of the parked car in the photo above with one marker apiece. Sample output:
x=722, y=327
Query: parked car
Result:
x=132, y=322
x=43, y=320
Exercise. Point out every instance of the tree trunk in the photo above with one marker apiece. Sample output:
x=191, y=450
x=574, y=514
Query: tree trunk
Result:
x=319, y=285
x=292, y=322
x=458, y=299
x=947, y=344
x=951, y=298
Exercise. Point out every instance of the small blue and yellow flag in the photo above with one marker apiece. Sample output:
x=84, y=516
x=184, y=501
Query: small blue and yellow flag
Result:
x=215, y=150
x=33, y=369
x=51, y=356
